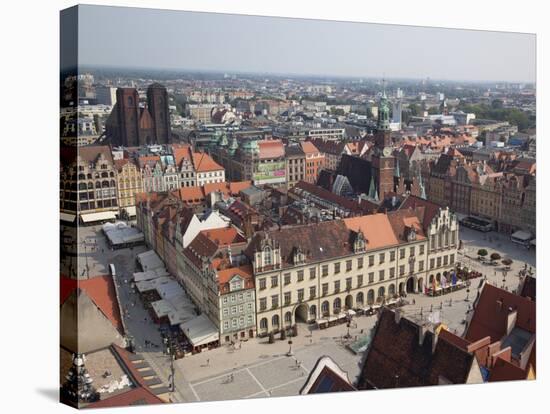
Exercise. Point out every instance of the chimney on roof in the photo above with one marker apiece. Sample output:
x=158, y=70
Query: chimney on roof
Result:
x=511, y=320
x=499, y=304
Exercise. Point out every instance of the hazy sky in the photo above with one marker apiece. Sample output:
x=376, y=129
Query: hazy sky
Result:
x=160, y=39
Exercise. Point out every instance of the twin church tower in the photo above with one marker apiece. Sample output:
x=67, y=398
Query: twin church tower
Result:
x=132, y=125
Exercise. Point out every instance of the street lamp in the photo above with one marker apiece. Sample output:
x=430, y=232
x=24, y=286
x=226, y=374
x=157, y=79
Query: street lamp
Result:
x=348, y=336
x=169, y=350
x=289, y=353
x=86, y=258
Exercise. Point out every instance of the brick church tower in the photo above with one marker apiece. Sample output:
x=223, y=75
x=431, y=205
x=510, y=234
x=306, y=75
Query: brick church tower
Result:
x=383, y=162
x=127, y=115
x=157, y=104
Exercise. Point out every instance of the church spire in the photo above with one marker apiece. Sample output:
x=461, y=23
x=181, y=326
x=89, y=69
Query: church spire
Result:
x=422, y=188
x=383, y=123
x=373, y=193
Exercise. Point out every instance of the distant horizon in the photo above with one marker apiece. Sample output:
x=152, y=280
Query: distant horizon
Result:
x=132, y=37
x=297, y=75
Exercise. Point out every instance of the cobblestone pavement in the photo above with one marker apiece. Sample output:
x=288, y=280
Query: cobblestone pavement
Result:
x=260, y=369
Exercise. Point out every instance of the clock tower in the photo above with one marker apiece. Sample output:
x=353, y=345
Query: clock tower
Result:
x=383, y=162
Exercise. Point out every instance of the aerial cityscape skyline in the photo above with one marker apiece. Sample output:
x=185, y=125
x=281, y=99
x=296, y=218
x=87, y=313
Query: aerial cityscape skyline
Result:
x=234, y=235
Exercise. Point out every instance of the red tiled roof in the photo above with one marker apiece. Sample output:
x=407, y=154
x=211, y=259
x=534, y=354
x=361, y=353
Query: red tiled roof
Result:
x=148, y=160
x=204, y=163
x=309, y=148
x=181, y=151
x=225, y=275
x=399, y=357
x=101, y=291
x=224, y=236
x=271, y=149
x=491, y=314
x=376, y=228
x=135, y=396
x=430, y=209
x=92, y=153
x=506, y=371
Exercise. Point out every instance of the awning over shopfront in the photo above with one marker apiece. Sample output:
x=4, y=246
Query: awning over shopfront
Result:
x=131, y=211
x=149, y=260
x=200, y=331
x=150, y=284
x=69, y=218
x=119, y=234
x=522, y=235
x=150, y=275
x=91, y=217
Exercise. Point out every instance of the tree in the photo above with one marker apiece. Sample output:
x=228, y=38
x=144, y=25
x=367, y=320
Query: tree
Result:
x=482, y=253
x=414, y=109
x=507, y=262
x=495, y=256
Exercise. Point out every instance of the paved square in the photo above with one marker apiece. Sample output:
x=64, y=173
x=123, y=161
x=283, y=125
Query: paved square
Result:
x=278, y=371
x=222, y=388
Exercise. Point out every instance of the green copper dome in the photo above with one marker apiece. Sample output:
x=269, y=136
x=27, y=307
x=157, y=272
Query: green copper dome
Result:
x=233, y=145
x=222, y=142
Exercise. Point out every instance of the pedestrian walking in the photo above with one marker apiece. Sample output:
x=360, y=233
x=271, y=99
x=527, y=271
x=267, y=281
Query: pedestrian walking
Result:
x=208, y=362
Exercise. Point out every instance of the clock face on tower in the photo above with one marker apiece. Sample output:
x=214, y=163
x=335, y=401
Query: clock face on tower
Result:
x=386, y=152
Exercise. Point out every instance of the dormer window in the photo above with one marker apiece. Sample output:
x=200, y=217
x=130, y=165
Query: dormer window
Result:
x=359, y=243
x=268, y=258
x=411, y=235
x=299, y=257
x=236, y=284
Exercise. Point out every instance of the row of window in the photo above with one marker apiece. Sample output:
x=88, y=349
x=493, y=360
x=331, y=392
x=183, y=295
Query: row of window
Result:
x=287, y=296
x=348, y=266
x=239, y=309
x=239, y=322
x=236, y=297
x=446, y=260
x=443, y=239
x=325, y=307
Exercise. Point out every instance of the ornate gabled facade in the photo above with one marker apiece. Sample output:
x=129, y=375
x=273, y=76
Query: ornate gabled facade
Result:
x=129, y=183
x=317, y=271
x=89, y=185
x=443, y=243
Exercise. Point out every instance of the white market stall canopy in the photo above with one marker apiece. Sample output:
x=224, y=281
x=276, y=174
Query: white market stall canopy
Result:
x=131, y=211
x=149, y=260
x=150, y=284
x=91, y=217
x=119, y=234
x=522, y=235
x=67, y=217
x=200, y=331
x=150, y=274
